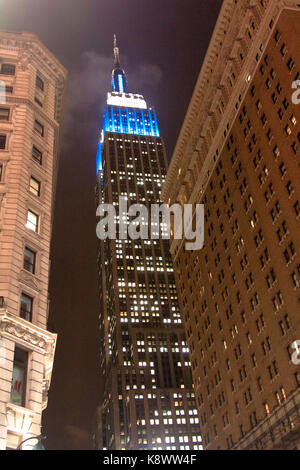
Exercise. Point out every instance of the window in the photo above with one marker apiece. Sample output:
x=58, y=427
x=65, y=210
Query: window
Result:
x=32, y=221
x=289, y=187
x=37, y=155
x=284, y=324
x=39, y=128
x=277, y=35
x=283, y=50
x=254, y=360
x=18, y=385
x=38, y=101
x=2, y=142
x=26, y=307
x=29, y=260
x=1, y=171
x=8, y=69
x=273, y=370
x=4, y=114
x=35, y=186
x=276, y=151
x=39, y=83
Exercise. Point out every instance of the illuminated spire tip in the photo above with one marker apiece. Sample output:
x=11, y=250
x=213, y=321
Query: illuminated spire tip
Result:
x=116, y=51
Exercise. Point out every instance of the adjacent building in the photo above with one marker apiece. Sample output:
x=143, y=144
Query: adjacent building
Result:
x=32, y=83
x=238, y=153
x=148, y=398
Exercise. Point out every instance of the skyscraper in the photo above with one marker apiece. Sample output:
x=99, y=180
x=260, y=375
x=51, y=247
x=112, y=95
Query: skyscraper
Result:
x=32, y=84
x=148, y=398
x=238, y=153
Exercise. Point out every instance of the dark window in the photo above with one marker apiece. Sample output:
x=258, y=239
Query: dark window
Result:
x=39, y=128
x=8, y=69
x=29, y=260
x=4, y=114
x=18, y=385
x=2, y=142
x=39, y=83
x=37, y=155
x=38, y=101
x=26, y=307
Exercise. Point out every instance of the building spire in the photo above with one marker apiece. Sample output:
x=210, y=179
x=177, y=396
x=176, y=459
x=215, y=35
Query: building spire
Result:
x=116, y=52
x=119, y=81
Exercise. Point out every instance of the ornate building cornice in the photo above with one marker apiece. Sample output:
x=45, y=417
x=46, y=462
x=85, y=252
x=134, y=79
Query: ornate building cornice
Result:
x=23, y=332
x=31, y=47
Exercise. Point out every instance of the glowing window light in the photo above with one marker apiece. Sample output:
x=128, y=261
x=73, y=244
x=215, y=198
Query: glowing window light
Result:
x=121, y=85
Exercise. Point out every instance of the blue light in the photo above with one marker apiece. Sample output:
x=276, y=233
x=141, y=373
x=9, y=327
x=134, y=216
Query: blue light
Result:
x=99, y=157
x=121, y=86
x=135, y=119
x=119, y=81
x=126, y=120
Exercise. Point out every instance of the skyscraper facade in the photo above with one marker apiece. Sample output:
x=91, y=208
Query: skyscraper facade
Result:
x=32, y=83
x=148, y=398
x=238, y=153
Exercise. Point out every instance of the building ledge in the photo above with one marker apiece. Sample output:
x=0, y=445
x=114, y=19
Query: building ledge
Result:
x=19, y=419
x=23, y=331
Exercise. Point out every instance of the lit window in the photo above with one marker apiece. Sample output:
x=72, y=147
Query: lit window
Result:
x=18, y=385
x=32, y=221
x=34, y=186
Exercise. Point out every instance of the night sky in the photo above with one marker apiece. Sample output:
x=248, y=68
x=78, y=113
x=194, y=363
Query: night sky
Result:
x=162, y=46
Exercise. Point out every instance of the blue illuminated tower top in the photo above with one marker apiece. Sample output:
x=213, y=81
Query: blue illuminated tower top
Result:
x=125, y=112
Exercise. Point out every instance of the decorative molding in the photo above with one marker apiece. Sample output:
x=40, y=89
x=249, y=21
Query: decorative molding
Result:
x=31, y=46
x=21, y=331
x=30, y=281
x=19, y=419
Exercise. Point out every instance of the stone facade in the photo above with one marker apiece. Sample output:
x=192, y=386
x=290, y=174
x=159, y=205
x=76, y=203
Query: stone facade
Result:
x=238, y=153
x=32, y=85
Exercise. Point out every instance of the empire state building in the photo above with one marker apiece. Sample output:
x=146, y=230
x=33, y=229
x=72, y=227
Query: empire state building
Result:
x=147, y=399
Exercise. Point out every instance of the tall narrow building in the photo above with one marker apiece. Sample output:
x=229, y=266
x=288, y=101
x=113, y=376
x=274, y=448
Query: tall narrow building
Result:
x=32, y=83
x=148, y=398
x=238, y=153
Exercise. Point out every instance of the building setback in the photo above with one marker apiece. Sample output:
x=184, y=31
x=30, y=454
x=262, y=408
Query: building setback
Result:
x=31, y=93
x=238, y=153
x=148, y=398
